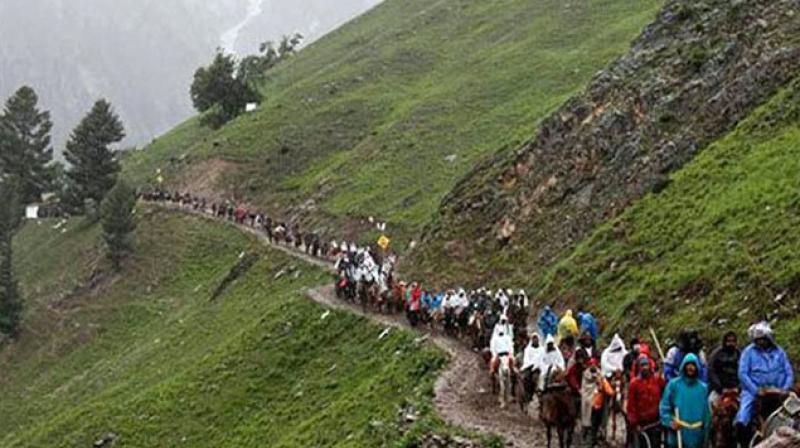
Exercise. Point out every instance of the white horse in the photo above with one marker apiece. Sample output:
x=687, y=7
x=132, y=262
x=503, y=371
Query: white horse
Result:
x=504, y=379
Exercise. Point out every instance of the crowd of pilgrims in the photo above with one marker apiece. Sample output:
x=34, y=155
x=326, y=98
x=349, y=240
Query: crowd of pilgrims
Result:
x=664, y=399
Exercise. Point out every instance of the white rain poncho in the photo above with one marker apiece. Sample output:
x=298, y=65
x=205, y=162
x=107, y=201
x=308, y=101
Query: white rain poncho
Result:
x=612, y=358
x=503, y=326
x=549, y=361
x=461, y=300
x=532, y=355
x=501, y=343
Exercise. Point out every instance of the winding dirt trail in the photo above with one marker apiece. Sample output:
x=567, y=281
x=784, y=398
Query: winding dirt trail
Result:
x=463, y=394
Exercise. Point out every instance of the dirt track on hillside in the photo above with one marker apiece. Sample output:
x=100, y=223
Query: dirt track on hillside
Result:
x=463, y=394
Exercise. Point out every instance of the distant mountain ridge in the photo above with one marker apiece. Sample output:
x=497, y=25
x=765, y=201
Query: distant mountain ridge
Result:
x=139, y=54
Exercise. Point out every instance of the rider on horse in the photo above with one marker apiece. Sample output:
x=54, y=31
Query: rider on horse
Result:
x=502, y=344
x=764, y=365
x=723, y=368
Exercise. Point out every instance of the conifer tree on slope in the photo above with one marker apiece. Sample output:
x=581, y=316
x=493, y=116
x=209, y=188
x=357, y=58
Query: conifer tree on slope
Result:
x=10, y=299
x=118, y=222
x=25, y=150
x=94, y=165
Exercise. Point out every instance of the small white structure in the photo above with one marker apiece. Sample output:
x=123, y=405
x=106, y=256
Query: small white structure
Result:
x=250, y=107
x=32, y=211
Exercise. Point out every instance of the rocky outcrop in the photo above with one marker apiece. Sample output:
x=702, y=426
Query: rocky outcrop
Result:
x=696, y=71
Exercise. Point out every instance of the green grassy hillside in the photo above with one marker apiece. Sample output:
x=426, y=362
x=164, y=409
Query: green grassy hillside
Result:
x=717, y=248
x=150, y=357
x=381, y=117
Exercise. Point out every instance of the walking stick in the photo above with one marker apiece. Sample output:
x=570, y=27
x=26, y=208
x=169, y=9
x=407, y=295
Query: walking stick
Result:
x=678, y=419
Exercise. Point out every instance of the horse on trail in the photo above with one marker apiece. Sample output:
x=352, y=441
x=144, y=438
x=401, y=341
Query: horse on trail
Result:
x=558, y=409
x=723, y=414
x=502, y=380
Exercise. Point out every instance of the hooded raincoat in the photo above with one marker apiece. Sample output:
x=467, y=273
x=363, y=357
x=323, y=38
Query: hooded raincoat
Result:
x=613, y=356
x=686, y=398
x=568, y=326
x=549, y=361
x=587, y=322
x=759, y=369
x=547, y=322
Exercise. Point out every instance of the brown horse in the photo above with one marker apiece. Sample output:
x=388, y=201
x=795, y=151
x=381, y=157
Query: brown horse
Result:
x=723, y=414
x=558, y=409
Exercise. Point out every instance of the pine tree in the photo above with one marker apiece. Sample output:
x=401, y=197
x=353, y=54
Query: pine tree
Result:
x=118, y=223
x=94, y=165
x=10, y=300
x=25, y=150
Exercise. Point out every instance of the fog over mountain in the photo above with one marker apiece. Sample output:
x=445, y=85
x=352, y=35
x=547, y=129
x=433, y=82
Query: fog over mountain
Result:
x=140, y=54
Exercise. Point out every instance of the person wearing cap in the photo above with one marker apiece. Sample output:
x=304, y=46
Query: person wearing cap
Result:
x=644, y=395
x=684, y=407
x=763, y=365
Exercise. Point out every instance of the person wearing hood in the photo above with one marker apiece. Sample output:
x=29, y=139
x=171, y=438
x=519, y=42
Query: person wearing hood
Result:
x=550, y=361
x=547, y=322
x=763, y=365
x=531, y=358
x=504, y=326
x=684, y=407
x=501, y=344
x=612, y=359
x=644, y=396
x=723, y=368
x=587, y=322
x=688, y=342
x=567, y=326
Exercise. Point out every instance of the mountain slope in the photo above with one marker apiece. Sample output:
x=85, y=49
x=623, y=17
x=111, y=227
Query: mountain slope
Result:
x=689, y=78
x=716, y=249
x=382, y=116
x=151, y=358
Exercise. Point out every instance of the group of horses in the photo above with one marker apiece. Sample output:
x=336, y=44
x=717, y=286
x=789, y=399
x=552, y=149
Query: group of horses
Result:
x=559, y=406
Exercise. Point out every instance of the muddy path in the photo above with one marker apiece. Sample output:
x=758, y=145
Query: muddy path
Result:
x=463, y=395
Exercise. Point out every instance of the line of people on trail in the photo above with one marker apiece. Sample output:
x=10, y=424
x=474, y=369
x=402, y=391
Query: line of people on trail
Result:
x=672, y=404
x=277, y=231
x=682, y=399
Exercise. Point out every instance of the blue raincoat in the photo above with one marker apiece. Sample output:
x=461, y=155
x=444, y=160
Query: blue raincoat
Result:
x=761, y=369
x=674, y=359
x=547, y=322
x=587, y=322
x=690, y=398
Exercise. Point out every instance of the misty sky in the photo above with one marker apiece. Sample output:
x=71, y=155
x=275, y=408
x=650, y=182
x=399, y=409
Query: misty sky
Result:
x=140, y=54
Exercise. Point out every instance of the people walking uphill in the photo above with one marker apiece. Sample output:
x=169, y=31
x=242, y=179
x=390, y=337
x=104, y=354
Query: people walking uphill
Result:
x=644, y=396
x=688, y=342
x=567, y=326
x=763, y=365
x=723, y=368
x=684, y=407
